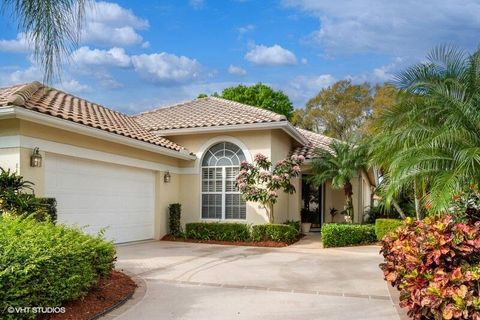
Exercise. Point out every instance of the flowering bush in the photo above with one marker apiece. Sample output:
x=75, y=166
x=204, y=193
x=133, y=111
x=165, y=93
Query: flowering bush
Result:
x=435, y=263
x=259, y=182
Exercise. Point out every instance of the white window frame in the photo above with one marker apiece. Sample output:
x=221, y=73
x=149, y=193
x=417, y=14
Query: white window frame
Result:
x=224, y=183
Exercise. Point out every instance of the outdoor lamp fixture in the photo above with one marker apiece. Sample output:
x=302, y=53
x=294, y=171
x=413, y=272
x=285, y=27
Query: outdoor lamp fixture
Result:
x=166, y=177
x=36, y=158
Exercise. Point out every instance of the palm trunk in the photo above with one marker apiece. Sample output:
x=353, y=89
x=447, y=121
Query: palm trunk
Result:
x=399, y=210
x=418, y=208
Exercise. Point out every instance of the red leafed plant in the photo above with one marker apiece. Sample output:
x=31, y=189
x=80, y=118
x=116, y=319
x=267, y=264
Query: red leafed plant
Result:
x=435, y=263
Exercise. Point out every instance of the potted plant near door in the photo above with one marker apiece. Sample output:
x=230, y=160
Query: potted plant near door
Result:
x=305, y=218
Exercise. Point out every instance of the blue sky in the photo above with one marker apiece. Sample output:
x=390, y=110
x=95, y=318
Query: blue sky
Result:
x=135, y=55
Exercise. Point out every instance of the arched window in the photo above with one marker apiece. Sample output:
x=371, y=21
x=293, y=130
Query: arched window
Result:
x=220, y=198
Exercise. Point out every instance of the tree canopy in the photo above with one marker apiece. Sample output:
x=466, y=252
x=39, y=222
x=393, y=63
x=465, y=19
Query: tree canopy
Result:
x=262, y=96
x=345, y=110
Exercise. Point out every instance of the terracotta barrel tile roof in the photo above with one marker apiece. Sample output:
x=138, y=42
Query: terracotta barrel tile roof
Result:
x=315, y=140
x=37, y=97
x=205, y=112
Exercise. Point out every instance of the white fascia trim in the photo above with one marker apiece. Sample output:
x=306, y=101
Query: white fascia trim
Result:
x=85, y=153
x=284, y=125
x=21, y=113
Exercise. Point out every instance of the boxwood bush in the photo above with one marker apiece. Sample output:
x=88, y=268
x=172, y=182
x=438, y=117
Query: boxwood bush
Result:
x=43, y=265
x=345, y=234
x=274, y=232
x=385, y=226
x=217, y=231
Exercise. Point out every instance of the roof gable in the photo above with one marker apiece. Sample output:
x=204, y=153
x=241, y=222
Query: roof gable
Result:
x=37, y=97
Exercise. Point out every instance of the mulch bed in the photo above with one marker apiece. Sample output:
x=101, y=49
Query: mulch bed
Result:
x=106, y=294
x=268, y=244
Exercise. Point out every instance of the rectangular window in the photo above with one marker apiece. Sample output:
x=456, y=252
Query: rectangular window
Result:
x=220, y=197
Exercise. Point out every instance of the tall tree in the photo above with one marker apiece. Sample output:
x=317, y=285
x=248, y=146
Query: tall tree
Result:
x=262, y=96
x=384, y=97
x=430, y=139
x=339, y=165
x=337, y=111
x=52, y=27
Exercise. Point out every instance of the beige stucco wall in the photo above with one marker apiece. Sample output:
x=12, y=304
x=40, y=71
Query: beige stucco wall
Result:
x=10, y=159
x=166, y=194
x=34, y=130
x=275, y=144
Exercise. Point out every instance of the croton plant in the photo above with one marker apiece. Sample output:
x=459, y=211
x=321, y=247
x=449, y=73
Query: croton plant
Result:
x=435, y=263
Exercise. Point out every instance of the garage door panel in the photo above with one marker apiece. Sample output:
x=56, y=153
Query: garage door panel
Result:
x=101, y=195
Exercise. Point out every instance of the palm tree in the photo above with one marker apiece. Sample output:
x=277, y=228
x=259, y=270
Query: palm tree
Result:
x=430, y=140
x=339, y=165
x=51, y=26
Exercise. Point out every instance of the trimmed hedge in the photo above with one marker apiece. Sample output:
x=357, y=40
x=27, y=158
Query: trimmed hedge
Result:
x=295, y=224
x=385, y=226
x=43, y=265
x=274, y=232
x=345, y=234
x=174, y=217
x=217, y=231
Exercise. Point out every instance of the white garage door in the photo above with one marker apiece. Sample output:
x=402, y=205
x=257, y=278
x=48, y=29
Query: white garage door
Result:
x=101, y=195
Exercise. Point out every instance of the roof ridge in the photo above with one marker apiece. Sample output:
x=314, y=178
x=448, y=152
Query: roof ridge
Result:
x=23, y=93
x=250, y=106
x=178, y=104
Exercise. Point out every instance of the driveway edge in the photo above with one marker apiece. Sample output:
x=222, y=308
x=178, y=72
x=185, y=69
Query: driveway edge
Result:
x=136, y=297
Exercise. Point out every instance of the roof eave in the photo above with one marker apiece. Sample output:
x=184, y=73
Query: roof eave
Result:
x=13, y=111
x=283, y=125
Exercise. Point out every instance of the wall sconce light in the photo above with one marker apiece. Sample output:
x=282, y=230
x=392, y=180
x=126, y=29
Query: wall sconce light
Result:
x=166, y=177
x=36, y=158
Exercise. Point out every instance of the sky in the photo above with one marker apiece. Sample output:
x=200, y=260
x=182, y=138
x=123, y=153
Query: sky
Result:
x=137, y=55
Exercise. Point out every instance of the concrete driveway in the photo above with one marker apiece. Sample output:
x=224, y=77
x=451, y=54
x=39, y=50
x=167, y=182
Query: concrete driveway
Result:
x=304, y=281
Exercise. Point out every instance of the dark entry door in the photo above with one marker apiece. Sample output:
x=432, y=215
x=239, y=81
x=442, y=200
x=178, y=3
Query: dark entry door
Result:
x=312, y=203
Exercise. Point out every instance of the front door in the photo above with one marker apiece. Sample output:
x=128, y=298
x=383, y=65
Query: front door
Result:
x=312, y=204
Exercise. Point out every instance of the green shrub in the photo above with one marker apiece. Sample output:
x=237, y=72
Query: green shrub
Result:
x=218, y=231
x=385, y=226
x=174, y=223
x=295, y=224
x=274, y=232
x=43, y=265
x=345, y=234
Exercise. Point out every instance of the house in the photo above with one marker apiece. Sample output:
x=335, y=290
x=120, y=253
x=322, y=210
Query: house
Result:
x=109, y=169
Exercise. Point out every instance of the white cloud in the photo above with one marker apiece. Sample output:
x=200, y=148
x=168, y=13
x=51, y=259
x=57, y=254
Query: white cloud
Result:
x=236, y=70
x=18, y=45
x=386, y=72
x=33, y=73
x=272, y=56
x=108, y=24
x=196, y=4
x=302, y=88
x=304, y=61
x=166, y=68
x=244, y=29
x=113, y=57
x=72, y=86
x=397, y=28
